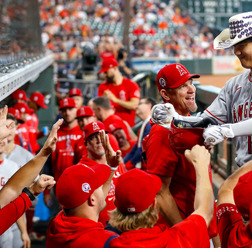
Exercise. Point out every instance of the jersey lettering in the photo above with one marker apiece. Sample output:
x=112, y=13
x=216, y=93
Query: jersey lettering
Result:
x=242, y=112
x=72, y=137
x=2, y=181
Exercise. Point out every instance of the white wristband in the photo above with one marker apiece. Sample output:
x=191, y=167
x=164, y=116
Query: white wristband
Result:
x=114, y=168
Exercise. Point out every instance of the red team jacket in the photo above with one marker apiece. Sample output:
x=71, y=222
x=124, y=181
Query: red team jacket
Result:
x=233, y=233
x=191, y=233
x=124, y=91
x=69, y=148
x=11, y=212
x=162, y=160
x=75, y=232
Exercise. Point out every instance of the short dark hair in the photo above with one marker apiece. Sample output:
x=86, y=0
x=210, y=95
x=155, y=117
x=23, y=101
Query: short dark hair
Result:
x=11, y=117
x=150, y=100
x=103, y=102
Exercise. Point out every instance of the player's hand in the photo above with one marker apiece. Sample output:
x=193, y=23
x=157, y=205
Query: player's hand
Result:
x=50, y=144
x=110, y=95
x=48, y=200
x=162, y=114
x=113, y=158
x=26, y=240
x=44, y=182
x=4, y=129
x=199, y=156
x=214, y=134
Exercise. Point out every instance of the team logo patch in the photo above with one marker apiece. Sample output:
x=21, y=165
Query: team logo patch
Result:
x=35, y=98
x=95, y=126
x=86, y=187
x=181, y=70
x=211, y=139
x=162, y=82
x=111, y=127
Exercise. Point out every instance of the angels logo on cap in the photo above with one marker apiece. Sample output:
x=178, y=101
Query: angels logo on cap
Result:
x=111, y=127
x=95, y=126
x=162, y=82
x=181, y=70
x=35, y=98
x=86, y=187
x=20, y=95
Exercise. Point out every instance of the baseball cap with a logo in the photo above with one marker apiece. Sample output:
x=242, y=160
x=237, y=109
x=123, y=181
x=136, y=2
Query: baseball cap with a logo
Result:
x=130, y=191
x=84, y=111
x=93, y=127
x=67, y=102
x=75, y=92
x=241, y=192
x=78, y=182
x=39, y=99
x=114, y=126
x=20, y=95
x=23, y=108
x=173, y=76
x=16, y=114
x=107, y=64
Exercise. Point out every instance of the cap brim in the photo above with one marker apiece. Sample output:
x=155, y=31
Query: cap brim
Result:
x=43, y=106
x=183, y=80
x=103, y=70
x=223, y=40
x=70, y=106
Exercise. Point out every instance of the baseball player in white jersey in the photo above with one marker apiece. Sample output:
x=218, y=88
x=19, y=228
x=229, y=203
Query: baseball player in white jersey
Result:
x=234, y=103
x=17, y=234
x=7, y=169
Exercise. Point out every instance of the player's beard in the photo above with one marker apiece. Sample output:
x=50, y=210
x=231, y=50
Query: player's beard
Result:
x=110, y=79
x=192, y=108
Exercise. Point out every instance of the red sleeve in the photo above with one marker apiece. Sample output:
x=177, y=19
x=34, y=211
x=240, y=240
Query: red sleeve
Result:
x=189, y=233
x=134, y=91
x=161, y=159
x=11, y=212
x=101, y=89
x=232, y=231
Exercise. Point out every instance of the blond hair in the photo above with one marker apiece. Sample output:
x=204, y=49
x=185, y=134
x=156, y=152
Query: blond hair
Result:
x=127, y=222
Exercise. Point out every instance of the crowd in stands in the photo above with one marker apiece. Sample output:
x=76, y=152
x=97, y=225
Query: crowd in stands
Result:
x=157, y=29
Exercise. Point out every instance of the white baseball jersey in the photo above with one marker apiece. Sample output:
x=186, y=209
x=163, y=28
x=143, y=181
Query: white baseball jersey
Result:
x=232, y=105
x=19, y=155
x=7, y=169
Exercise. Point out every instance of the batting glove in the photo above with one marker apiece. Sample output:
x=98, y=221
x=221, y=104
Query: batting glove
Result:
x=162, y=114
x=214, y=135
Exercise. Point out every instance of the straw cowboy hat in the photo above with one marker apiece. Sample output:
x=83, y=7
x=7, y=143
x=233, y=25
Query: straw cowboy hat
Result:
x=240, y=28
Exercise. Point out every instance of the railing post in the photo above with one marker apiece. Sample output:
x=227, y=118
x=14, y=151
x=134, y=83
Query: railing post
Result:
x=229, y=157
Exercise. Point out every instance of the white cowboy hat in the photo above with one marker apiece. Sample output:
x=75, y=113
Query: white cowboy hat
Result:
x=240, y=28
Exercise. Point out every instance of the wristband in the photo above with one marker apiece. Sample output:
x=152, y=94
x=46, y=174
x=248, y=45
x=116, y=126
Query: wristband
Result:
x=114, y=168
x=28, y=193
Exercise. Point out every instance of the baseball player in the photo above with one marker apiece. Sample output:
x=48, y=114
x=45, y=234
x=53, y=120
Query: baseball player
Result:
x=234, y=102
x=136, y=215
x=96, y=155
x=123, y=93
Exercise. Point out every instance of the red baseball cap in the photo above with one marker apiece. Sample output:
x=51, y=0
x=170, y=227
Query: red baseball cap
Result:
x=84, y=111
x=107, y=64
x=130, y=191
x=39, y=99
x=20, y=95
x=16, y=114
x=173, y=76
x=93, y=127
x=23, y=108
x=67, y=102
x=241, y=192
x=185, y=138
x=114, y=126
x=78, y=182
x=75, y=92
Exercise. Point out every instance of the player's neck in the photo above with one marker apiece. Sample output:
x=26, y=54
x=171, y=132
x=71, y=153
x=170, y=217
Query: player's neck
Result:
x=10, y=147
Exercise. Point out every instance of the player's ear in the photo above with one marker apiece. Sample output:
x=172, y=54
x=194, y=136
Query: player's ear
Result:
x=164, y=94
x=91, y=200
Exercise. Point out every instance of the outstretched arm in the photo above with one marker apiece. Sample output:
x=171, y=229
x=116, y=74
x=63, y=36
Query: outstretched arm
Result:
x=225, y=194
x=204, y=198
x=26, y=175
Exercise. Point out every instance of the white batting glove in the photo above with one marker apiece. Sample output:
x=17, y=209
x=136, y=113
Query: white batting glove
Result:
x=214, y=135
x=162, y=114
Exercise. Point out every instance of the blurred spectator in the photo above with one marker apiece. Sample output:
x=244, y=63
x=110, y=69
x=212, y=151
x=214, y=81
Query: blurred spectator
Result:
x=124, y=65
